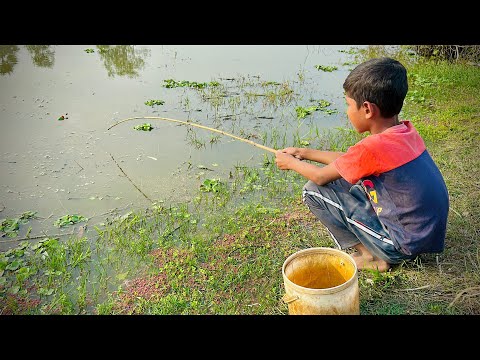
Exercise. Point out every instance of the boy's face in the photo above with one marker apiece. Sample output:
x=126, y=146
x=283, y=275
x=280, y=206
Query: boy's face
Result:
x=356, y=115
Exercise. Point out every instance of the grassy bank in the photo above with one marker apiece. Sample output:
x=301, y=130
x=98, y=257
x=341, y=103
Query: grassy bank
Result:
x=222, y=252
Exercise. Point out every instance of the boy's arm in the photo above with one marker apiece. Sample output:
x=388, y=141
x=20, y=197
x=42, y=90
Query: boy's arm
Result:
x=317, y=174
x=323, y=157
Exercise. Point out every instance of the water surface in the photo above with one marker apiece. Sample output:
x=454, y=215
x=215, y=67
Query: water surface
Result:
x=77, y=166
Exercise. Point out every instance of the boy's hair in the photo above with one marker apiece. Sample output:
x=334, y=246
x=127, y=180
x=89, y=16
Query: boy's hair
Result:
x=382, y=81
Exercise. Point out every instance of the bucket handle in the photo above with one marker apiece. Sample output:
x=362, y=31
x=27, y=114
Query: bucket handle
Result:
x=289, y=298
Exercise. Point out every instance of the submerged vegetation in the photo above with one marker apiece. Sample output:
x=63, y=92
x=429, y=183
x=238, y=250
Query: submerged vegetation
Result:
x=222, y=252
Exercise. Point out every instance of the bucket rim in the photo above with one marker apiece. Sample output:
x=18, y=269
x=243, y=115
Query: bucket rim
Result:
x=329, y=290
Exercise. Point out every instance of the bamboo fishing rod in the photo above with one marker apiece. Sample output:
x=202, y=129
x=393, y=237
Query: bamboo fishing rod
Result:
x=199, y=126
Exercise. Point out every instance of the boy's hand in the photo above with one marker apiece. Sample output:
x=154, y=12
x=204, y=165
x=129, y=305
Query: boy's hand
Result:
x=293, y=151
x=283, y=159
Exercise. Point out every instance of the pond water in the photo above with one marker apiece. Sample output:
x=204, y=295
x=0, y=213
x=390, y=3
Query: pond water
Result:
x=59, y=153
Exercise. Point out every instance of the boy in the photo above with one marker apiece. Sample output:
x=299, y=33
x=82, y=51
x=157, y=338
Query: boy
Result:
x=385, y=196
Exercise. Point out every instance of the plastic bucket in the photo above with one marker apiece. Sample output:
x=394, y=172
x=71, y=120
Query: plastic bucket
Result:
x=321, y=281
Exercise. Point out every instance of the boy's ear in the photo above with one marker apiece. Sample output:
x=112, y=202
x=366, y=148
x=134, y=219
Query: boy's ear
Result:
x=369, y=108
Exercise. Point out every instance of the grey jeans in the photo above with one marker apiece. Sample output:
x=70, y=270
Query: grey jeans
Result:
x=346, y=212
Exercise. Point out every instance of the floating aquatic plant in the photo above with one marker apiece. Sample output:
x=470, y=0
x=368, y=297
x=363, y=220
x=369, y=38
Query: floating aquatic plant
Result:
x=144, y=127
x=154, y=102
x=69, y=220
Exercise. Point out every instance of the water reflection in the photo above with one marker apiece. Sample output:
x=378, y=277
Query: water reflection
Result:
x=118, y=60
x=8, y=58
x=42, y=55
x=123, y=60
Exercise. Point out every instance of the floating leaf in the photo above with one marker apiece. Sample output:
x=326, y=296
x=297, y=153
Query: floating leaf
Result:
x=14, y=265
x=170, y=83
x=154, y=102
x=211, y=185
x=27, y=215
x=326, y=68
x=10, y=226
x=69, y=220
x=144, y=127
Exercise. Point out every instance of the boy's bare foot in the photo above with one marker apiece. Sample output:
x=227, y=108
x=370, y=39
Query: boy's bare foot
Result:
x=366, y=261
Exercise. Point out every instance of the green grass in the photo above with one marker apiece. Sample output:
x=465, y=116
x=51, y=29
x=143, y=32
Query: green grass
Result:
x=222, y=253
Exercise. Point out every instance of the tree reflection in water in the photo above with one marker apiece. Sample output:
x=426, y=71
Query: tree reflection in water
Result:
x=122, y=60
x=42, y=55
x=8, y=58
x=119, y=60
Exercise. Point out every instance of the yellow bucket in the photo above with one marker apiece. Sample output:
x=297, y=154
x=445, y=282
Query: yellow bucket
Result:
x=321, y=281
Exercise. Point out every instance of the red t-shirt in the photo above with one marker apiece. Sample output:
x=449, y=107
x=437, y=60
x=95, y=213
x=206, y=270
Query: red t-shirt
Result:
x=381, y=152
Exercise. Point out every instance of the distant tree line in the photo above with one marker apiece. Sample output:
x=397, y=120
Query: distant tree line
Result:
x=467, y=53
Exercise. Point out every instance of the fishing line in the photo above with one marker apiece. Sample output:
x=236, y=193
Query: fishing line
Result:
x=199, y=126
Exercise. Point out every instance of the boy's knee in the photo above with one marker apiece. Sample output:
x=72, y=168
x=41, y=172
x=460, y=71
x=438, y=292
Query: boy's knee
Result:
x=310, y=186
x=311, y=200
